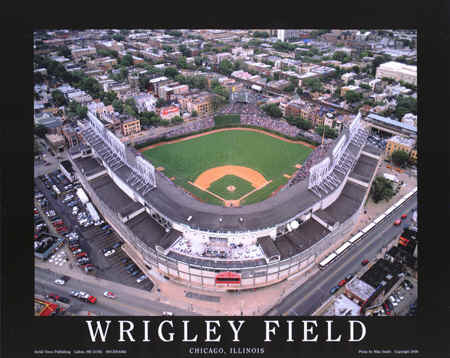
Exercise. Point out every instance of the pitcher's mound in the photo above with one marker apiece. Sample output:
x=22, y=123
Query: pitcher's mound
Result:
x=231, y=188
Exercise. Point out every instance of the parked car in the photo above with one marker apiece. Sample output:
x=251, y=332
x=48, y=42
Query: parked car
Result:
x=334, y=289
x=342, y=282
x=63, y=299
x=404, y=216
x=117, y=245
x=82, y=254
x=364, y=262
x=141, y=278
x=110, y=252
x=88, y=267
x=397, y=222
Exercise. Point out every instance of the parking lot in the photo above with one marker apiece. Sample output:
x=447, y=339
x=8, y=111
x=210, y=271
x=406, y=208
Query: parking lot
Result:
x=404, y=297
x=87, y=243
x=113, y=267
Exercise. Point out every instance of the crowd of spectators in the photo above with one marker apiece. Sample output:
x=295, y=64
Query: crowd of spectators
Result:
x=190, y=127
x=315, y=157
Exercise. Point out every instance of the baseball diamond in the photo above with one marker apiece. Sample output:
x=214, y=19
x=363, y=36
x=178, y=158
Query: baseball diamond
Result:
x=256, y=157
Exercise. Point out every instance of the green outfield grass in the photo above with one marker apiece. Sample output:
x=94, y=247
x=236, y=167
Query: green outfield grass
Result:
x=268, y=155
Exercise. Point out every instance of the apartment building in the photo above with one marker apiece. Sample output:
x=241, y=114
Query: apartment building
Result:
x=110, y=45
x=169, y=112
x=80, y=52
x=398, y=71
x=130, y=126
x=401, y=143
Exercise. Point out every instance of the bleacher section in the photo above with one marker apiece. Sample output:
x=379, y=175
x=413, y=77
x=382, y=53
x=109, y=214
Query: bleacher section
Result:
x=345, y=164
x=267, y=245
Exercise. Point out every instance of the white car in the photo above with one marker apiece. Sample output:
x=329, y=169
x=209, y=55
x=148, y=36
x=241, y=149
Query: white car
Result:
x=141, y=278
x=60, y=282
x=109, y=294
x=110, y=252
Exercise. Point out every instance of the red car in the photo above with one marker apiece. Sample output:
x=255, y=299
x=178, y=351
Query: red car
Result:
x=364, y=262
x=404, y=216
x=53, y=296
x=92, y=299
x=397, y=222
x=82, y=254
x=342, y=282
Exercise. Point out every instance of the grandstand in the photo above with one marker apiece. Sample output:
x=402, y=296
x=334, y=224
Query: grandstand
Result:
x=192, y=241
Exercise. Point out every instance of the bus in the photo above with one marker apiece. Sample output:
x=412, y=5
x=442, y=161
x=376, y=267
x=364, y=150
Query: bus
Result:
x=368, y=227
x=343, y=248
x=356, y=237
x=327, y=260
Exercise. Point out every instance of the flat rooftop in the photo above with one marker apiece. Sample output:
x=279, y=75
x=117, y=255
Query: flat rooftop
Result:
x=301, y=239
x=364, y=168
x=89, y=165
x=113, y=196
x=146, y=229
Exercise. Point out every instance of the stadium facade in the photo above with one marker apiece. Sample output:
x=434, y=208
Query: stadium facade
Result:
x=219, y=248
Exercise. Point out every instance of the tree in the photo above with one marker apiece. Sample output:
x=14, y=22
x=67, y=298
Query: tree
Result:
x=326, y=131
x=126, y=60
x=382, y=189
x=160, y=102
x=170, y=72
x=339, y=56
x=272, y=110
x=400, y=158
x=314, y=84
x=58, y=98
x=226, y=67
x=118, y=37
x=176, y=120
x=405, y=105
x=64, y=51
x=117, y=105
x=194, y=113
x=109, y=97
x=353, y=96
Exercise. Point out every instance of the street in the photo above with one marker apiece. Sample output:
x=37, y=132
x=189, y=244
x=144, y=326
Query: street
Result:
x=308, y=297
x=127, y=303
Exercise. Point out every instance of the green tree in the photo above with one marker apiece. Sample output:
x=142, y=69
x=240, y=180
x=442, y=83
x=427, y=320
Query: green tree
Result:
x=126, y=60
x=382, y=189
x=314, y=84
x=170, y=72
x=194, y=114
x=405, y=105
x=117, y=105
x=326, y=131
x=64, y=51
x=400, y=158
x=272, y=110
x=226, y=67
x=353, y=96
x=339, y=56
x=58, y=98
x=176, y=120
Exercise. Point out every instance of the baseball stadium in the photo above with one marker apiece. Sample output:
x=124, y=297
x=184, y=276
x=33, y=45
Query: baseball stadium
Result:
x=232, y=208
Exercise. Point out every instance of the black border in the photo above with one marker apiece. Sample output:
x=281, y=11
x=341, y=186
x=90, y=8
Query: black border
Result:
x=20, y=331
